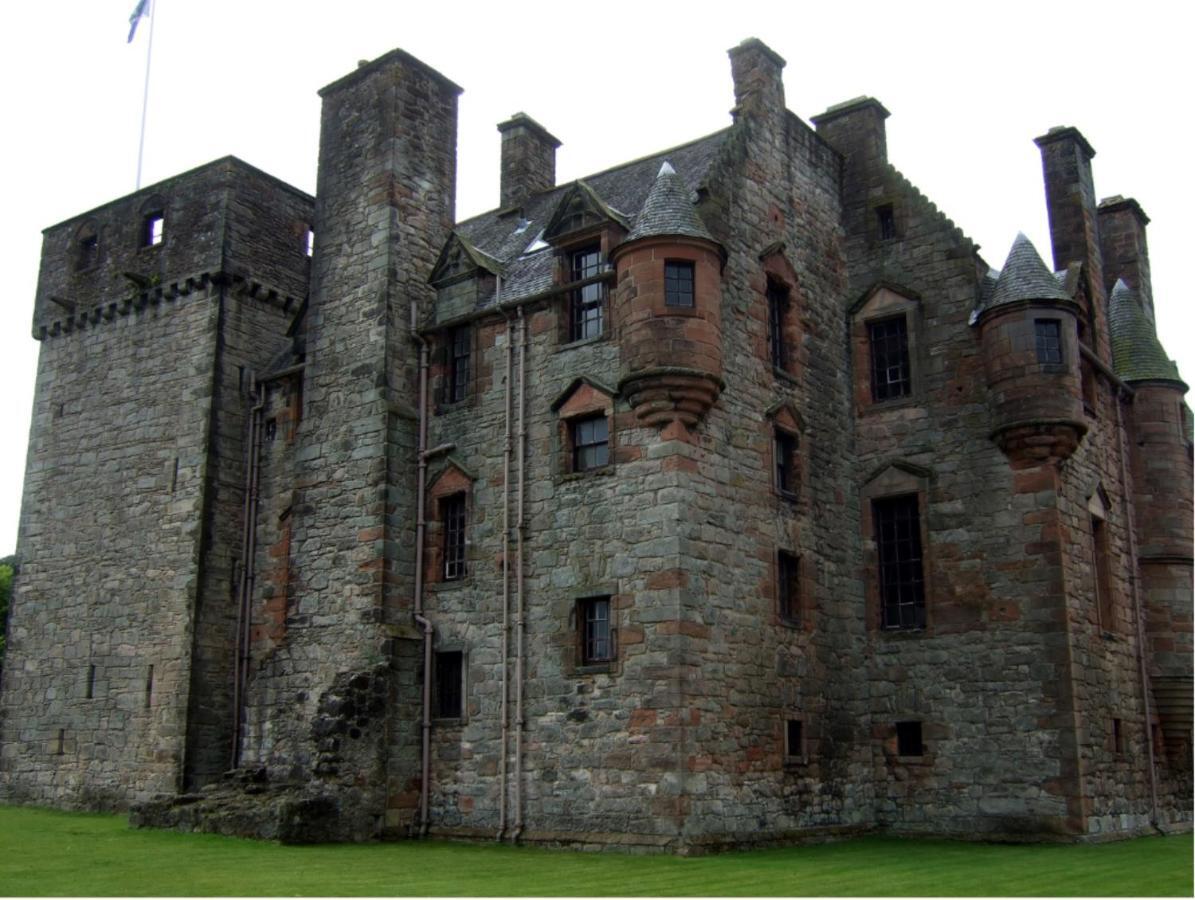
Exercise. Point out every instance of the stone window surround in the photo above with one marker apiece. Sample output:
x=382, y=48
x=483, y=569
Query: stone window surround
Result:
x=152, y=211
x=605, y=237
x=798, y=756
x=87, y=246
x=583, y=399
x=779, y=276
x=783, y=420
x=895, y=479
x=575, y=664
x=1103, y=591
x=797, y=600
x=463, y=717
x=885, y=301
x=451, y=481
x=678, y=271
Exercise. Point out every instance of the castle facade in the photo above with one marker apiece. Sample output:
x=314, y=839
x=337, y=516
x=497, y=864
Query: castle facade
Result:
x=725, y=496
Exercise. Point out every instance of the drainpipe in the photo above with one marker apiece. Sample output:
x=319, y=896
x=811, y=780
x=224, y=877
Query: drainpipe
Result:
x=248, y=540
x=424, y=624
x=1134, y=568
x=521, y=525
x=502, y=761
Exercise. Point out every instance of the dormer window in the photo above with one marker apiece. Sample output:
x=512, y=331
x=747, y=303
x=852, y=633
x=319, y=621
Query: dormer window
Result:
x=154, y=230
x=587, y=303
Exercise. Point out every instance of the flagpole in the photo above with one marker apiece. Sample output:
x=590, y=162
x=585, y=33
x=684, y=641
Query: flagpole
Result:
x=145, y=98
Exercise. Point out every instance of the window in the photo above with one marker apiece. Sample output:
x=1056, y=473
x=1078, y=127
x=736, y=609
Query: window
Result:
x=155, y=229
x=1048, y=335
x=596, y=631
x=678, y=284
x=898, y=541
x=449, y=684
x=591, y=443
x=784, y=449
x=908, y=739
x=777, y=311
x=794, y=740
x=889, y=340
x=89, y=251
x=1117, y=736
x=309, y=243
x=1103, y=576
x=587, y=304
x=460, y=344
x=885, y=222
x=788, y=587
x=452, y=511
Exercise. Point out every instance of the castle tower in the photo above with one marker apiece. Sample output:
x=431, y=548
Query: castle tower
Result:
x=669, y=304
x=1031, y=359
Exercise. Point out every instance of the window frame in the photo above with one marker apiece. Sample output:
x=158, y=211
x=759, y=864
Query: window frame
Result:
x=588, y=654
x=454, y=518
x=885, y=222
x=907, y=731
x=798, y=755
x=876, y=361
x=898, y=572
x=779, y=299
x=789, y=608
x=1048, y=346
x=675, y=296
x=577, y=448
x=586, y=304
x=153, y=229
x=459, y=347
x=786, y=469
x=452, y=676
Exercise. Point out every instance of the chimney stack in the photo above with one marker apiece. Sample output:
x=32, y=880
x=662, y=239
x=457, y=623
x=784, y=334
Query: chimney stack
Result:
x=758, y=86
x=1070, y=201
x=856, y=130
x=528, y=159
x=1123, y=247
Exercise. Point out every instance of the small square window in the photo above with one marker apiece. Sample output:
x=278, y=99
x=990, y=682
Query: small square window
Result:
x=678, y=284
x=1048, y=337
x=155, y=229
x=788, y=587
x=886, y=222
x=794, y=740
x=908, y=739
x=591, y=443
x=453, y=514
x=596, y=631
x=784, y=448
x=890, y=373
x=460, y=347
x=450, y=684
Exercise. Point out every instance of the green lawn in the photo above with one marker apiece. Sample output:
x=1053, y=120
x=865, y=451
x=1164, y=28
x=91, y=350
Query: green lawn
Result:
x=55, y=853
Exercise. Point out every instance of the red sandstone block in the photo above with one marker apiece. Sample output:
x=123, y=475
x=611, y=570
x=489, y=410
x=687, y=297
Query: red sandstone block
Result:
x=667, y=578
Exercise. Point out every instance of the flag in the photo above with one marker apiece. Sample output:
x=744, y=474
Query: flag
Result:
x=141, y=11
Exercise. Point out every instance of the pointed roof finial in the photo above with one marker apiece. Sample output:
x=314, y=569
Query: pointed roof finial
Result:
x=1137, y=354
x=1025, y=277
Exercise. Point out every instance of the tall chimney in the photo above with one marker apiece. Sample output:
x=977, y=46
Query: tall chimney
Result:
x=856, y=130
x=528, y=159
x=1123, y=247
x=758, y=86
x=1070, y=200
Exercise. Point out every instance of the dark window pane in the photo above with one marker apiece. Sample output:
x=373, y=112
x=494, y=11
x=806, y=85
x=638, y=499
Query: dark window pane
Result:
x=890, y=376
x=794, y=746
x=449, y=684
x=908, y=739
x=89, y=252
x=1048, y=334
x=789, y=587
x=596, y=640
x=453, y=509
x=461, y=345
x=587, y=304
x=155, y=229
x=591, y=443
x=785, y=451
x=898, y=541
x=678, y=284
x=886, y=222
x=777, y=308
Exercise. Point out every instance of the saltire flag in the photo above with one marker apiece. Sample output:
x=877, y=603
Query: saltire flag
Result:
x=142, y=11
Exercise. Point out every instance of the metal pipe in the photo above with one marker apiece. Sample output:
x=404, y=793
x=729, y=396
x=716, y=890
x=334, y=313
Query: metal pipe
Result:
x=250, y=556
x=520, y=524
x=420, y=619
x=502, y=761
x=248, y=523
x=1134, y=569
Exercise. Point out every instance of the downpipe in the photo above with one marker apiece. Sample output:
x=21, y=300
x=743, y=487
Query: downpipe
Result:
x=421, y=620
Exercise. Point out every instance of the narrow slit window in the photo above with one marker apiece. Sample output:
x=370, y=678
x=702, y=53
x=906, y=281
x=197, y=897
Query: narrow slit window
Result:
x=1105, y=606
x=787, y=476
x=454, y=517
x=90, y=695
x=890, y=373
x=886, y=222
x=155, y=229
x=597, y=638
x=788, y=573
x=777, y=298
x=587, y=304
x=309, y=243
x=60, y=750
x=898, y=542
x=149, y=687
x=908, y=739
x=461, y=340
x=89, y=252
x=794, y=740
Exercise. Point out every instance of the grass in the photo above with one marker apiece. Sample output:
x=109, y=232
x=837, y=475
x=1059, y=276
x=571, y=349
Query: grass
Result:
x=48, y=853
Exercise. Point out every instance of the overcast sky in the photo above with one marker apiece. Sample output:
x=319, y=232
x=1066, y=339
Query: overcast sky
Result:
x=969, y=86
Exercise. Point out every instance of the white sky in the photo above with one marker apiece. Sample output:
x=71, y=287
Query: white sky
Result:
x=969, y=85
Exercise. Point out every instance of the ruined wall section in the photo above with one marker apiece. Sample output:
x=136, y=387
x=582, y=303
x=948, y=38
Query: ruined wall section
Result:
x=987, y=676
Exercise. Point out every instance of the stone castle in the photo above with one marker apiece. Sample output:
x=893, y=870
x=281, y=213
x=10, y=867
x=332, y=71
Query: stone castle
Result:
x=724, y=496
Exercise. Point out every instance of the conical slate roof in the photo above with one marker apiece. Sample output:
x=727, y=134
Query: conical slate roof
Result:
x=668, y=210
x=1025, y=277
x=1137, y=354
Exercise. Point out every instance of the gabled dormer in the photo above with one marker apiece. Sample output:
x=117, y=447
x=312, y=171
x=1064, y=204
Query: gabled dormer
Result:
x=463, y=276
x=582, y=214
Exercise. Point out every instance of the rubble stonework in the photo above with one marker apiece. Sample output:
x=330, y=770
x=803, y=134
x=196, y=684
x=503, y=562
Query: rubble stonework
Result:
x=727, y=496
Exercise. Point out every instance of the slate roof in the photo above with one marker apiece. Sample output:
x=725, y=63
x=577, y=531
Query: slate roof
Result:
x=1137, y=354
x=624, y=189
x=1024, y=277
x=669, y=209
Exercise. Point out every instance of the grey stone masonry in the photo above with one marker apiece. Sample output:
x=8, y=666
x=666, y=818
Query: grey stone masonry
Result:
x=727, y=497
